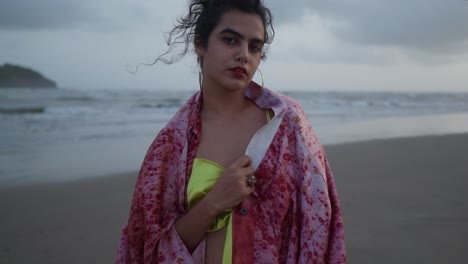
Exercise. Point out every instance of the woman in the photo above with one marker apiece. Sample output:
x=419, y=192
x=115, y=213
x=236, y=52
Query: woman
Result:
x=237, y=176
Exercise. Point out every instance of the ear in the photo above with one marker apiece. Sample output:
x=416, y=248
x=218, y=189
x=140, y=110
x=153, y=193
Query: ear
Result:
x=199, y=50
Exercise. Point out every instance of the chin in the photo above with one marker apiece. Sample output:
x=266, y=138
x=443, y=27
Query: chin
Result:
x=234, y=86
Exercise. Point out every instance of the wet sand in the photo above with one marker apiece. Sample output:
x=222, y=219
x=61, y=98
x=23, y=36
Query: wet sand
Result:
x=403, y=201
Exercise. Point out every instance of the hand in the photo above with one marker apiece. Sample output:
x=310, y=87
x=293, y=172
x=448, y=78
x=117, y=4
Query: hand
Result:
x=231, y=187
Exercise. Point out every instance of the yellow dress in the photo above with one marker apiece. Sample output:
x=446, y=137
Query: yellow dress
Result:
x=204, y=175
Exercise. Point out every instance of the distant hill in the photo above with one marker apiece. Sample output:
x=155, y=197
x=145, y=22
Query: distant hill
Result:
x=13, y=76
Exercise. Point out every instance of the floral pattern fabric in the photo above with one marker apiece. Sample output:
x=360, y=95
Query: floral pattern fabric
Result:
x=293, y=216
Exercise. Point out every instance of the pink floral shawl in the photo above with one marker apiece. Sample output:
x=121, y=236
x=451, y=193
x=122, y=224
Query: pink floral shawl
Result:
x=292, y=217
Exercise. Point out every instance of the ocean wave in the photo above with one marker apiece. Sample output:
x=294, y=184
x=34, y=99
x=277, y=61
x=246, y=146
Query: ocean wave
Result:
x=168, y=103
x=76, y=98
x=22, y=110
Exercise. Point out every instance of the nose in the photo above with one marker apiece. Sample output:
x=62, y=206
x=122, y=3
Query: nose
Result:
x=243, y=53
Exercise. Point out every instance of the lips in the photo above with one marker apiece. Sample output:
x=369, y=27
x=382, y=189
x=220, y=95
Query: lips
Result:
x=240, y=70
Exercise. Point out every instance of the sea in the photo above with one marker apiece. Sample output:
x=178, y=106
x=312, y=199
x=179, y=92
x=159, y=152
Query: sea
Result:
x=56, y=135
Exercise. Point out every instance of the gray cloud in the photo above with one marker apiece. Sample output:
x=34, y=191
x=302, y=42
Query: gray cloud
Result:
x=26, y=14
x=423, y=26
x=430, y=26
x=70, y=14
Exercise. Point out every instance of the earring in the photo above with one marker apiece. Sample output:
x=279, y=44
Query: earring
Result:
x=200, y=79
x=261, y=75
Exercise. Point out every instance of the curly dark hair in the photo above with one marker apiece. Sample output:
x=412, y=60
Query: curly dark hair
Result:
x=203, y=16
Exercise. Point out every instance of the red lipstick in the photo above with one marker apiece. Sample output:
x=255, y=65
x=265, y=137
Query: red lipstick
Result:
x=239, y=72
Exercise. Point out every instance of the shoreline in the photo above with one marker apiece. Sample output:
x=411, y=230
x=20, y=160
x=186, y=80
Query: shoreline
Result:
x=51, y=159
x=402, y=199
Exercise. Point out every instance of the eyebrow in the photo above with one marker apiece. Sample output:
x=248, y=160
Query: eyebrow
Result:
x=232, y=31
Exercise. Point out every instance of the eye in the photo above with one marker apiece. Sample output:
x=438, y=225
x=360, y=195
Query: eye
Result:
x=229, y=40
x=255, y=48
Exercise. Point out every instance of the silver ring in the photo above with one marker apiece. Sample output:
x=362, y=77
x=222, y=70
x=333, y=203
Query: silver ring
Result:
x=251, y=181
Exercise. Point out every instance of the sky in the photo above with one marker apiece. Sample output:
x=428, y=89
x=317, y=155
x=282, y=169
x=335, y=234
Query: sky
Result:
x=320, y=45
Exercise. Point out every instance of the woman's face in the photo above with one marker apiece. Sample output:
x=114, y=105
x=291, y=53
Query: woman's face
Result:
x=233, y=52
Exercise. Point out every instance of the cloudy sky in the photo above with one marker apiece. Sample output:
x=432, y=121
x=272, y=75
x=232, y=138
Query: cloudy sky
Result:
x=394, y=45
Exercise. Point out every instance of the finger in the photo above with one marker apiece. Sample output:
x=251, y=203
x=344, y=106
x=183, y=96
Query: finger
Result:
x=242, y=162
x=247, y=171
x=240, y=173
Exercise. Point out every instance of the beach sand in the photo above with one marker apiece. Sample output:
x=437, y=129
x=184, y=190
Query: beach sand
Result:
x=403, y=201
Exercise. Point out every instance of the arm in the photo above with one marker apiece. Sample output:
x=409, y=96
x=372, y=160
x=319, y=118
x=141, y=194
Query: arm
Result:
x=153, y=235
x=149, y=235
x=321, y=224
x=336, y=244
x=319, y=210
x=193, y=226
x=229, y=191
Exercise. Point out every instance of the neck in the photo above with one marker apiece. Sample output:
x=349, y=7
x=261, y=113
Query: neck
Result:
x=222, y=102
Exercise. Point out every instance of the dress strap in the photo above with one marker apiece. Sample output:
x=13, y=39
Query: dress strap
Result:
x=268, y=115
